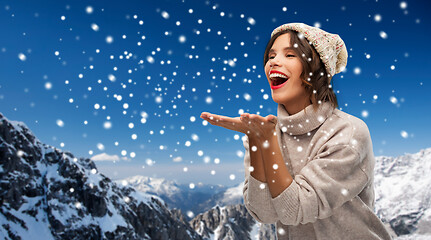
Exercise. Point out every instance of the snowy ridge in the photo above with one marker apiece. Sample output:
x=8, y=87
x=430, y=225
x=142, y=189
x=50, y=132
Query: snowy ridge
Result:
x=191, y=201
x=231, y=222
x=403, y=198
x=232, y=195
x=50, y=194
x=198, y=200
x=403, y=193
x=156, y=186
x=53, y=195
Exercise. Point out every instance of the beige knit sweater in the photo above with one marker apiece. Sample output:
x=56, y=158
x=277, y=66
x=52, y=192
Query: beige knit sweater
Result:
x=330, y=157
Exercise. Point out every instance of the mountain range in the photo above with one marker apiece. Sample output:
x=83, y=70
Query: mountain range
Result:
x=197, y=200
x=46, y=193
x=49, y=194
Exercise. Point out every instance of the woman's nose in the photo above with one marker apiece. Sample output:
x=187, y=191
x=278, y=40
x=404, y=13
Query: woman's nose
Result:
x=273, y=62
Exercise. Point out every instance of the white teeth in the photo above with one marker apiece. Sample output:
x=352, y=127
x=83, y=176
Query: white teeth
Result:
x=273, y=75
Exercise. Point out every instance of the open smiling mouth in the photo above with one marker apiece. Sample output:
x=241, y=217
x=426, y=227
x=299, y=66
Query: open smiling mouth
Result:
x=278, y=79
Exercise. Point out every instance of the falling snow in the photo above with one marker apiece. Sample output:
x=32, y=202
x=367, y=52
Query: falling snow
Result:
x=95, y=27
x=344, y=192
x=60, y=123
x=109, y=39
x=48, y=85
x=165, y=15
x=383, y=35
x=89, y=9
x=357, y=70
x=377, y=18
x=364, y=113
x=182, y=39
x=251, y=21
x=22, y=57
x=100, y=146
x=107, y=125
x=190, y=214
x=144, y=87
x=247, y=97
x=393, y=100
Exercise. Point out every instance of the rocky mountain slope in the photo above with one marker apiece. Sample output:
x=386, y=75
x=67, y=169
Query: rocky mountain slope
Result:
x=190, y=201
x=403, y=198
x=231, y=222
x=403, y=192
x=49, y=194
x=403, y=201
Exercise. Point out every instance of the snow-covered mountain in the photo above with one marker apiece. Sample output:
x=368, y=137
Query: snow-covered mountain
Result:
x=402, y=188
x=200, y=199
x=175, y=195
x=49, y=194
x=403, y=192
x=230, y=196
x=231, y=222
x=219, y=212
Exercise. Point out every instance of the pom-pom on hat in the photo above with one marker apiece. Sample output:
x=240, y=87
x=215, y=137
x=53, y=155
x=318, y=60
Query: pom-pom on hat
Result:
x=330, y=47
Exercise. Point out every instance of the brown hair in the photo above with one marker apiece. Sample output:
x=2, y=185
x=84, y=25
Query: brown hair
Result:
x=314, y=76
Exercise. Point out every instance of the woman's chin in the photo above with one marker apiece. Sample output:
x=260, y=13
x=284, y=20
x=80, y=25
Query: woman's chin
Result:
x=278, y=99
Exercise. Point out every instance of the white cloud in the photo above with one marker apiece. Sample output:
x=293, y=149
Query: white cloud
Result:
x=106, y=157
x=197, y=173
x=124, y=158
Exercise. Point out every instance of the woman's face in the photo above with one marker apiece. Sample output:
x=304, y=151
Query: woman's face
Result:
x=283, y=71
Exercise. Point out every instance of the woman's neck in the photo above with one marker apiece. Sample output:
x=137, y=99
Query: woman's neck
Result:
x=296, y=107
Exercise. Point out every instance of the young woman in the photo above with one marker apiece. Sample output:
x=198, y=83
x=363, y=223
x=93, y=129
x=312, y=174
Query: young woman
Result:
x=310, y=169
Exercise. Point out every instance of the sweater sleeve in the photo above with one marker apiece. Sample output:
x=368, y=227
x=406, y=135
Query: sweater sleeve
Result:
x=332, y=178
x=257, y=198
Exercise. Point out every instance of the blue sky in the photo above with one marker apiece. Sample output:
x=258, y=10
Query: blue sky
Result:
x=129, y=79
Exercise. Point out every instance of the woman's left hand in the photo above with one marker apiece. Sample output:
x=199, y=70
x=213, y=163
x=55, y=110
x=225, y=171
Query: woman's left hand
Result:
x=253, y=125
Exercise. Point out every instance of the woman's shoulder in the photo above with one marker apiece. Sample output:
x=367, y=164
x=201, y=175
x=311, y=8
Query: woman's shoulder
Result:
x=349, y=120
x=346, y=129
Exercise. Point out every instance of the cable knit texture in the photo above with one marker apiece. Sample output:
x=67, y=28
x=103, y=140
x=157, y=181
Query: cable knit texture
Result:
x=330, y=157
x=331, y=47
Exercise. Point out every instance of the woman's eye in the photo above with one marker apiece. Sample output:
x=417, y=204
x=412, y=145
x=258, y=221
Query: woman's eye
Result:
x=290, y=55
x=271, y=57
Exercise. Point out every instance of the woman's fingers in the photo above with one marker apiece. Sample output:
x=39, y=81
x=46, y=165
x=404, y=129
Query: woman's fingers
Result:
x=224, y=121
x=214, y=117
x=207, y=116
x=245, y=118
x=211, y=118
x=272, y=118
x=253, y=119
x=259, y=119
x=246, y=123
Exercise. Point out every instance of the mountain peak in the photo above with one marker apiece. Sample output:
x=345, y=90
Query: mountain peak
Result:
x=51, y=194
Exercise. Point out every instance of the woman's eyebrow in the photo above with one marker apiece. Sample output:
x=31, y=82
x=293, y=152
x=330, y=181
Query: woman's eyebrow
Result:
x=284, y=49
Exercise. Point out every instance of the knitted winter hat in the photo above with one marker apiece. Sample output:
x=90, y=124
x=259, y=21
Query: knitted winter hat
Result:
x=330, y=47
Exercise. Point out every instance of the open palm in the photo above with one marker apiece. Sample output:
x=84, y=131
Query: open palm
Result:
x=250, y=124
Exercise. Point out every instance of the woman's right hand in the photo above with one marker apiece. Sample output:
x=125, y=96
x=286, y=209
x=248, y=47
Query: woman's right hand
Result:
x=230, y=123
x=252, y=125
